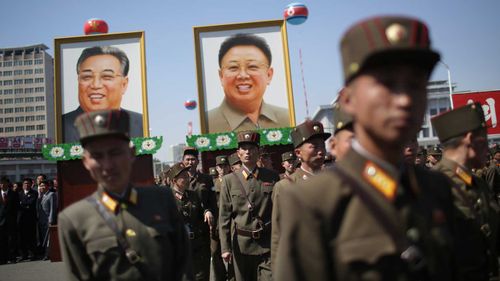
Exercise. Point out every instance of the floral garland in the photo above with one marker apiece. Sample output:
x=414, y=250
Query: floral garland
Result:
x=71, y=151
x=228, y=140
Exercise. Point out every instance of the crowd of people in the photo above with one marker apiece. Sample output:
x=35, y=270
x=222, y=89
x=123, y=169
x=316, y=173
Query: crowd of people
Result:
x=27, y=210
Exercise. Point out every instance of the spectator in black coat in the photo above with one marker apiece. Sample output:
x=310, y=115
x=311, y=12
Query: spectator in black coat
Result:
x=26, y=220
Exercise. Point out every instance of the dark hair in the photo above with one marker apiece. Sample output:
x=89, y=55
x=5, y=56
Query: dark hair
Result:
x=28, y=179
x=44, y=177
x=105, y=50
x=242, y=39
x=4, y=179
x=46, y=182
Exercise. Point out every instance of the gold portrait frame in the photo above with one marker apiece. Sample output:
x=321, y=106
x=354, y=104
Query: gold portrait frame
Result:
x=231, y=29
x=82, y=42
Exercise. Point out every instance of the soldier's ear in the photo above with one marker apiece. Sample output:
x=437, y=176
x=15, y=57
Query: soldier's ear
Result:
x=346, y=99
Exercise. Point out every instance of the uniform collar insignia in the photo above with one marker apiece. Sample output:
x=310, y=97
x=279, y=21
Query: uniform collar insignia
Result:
x=464, y=175
x=109, y=202
x=247, y=174
x=379, y=179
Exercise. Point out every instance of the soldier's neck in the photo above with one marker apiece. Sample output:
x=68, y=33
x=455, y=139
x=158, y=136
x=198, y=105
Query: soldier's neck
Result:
x=250, y=166
x=309, y=168
x=392, y=154
x=458, y=155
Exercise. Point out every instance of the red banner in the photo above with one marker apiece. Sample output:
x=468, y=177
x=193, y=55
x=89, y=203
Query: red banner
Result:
x=490, y=102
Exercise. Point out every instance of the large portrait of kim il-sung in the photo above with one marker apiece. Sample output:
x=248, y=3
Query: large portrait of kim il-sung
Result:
x=98, y=72
x=243, y=75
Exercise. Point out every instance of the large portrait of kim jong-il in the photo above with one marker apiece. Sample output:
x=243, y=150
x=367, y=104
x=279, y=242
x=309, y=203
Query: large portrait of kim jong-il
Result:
x=250, y=90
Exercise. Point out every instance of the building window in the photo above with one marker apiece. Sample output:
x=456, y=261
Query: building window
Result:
x=40, y=127
x=9, y=120
x=39, y=89
x=42, y=98
x=30, y=128
x=1, y=110
x=28, y=62
x=9, y=129
x=1, y=101
x=39, y=71
x=30, y=118
x=8, y=101
x=8, y=92
x=7, y=73
x=20, y=119
x=18, y=100
x=30, y=109
x=1, y=130
x=28, y=81
x=28, y=90
x=18, y=72
x=18, y=62
x=40, y=118
x=38, y=80
x=18, y=81
x=19, y=109
x=18, y=91
x=9, y=110
x=40, y=108
x=7, y=63
x=19, y=128
x=40, y=136
x=1, y=120
x=39, y=61
x=7, y=82
x=29, y=99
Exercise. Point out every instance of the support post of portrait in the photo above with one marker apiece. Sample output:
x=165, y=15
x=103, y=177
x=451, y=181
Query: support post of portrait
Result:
x=243, y=75
x=98, y=72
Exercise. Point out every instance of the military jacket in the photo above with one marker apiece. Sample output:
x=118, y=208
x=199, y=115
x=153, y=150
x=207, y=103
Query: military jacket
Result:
x=329, y=233
x=248, y=213
x=492, y=177
x=151, y=224
x=189, y=206
x=476, y=220
x=297, y=177
x=202, y=185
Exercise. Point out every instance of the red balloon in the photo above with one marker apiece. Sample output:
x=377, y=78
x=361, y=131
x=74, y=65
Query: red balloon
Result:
x=95, y=26
x=190, y=104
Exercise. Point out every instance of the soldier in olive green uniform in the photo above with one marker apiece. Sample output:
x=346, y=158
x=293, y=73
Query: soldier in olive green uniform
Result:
x=245, y=213
x=433, y=156
x=309, y=141
x=492, y=173
x=234, y=162
x=192, y=213
x=119, y=232
x=343, y=133
x=462, y=133
x=371, y=217
x=288, y=163
x=222, y=271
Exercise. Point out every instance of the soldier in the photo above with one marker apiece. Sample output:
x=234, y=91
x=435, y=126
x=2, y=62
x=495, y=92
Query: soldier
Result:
x=288, y=163
x=492, y=173
x=221, y=271
x=265, y=160
x=421, y=157
x=343, y=133
x=235, y=162
x=462, y=133
x=119, y=232
x=199, y=182
x=245, y=213
x=308, y=140
x=372, y=217
x=433, y=156
x=212, y=171
x=192, y=213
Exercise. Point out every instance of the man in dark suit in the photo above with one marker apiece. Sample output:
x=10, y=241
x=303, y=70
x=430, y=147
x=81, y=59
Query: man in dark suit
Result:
x=102, y=82
x=27, y=220
x=245, y=213
x=9, y=205
x=47, y=215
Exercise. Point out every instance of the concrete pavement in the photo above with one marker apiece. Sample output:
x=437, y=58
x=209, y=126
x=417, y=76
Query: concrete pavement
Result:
x=33, y=270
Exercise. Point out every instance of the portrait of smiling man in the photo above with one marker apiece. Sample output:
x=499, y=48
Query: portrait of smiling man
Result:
x=245, y=72
x=102, y=82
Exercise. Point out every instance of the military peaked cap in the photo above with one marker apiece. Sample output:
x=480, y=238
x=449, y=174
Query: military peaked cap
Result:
x=190, y=151
x=212, y=171
x=221, y=160
x=177, y=169
x=306, y=131
x=381, y=40
x=102, y=123
x=342, y=120
x=288, y=156
x=459, y=121
x=234, y=159
x=248, y=137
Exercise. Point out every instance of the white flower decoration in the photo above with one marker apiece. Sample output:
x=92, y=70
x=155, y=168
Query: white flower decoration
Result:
x=222, y=140
x=76, y=150
x=148, y=145
x=56, y=152
x=202, y=142
x=274, y=135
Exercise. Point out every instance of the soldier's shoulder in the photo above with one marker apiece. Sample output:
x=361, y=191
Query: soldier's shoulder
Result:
x=78, y=211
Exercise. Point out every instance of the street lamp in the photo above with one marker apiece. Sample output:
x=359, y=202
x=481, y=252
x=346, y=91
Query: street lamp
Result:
x=449, y=82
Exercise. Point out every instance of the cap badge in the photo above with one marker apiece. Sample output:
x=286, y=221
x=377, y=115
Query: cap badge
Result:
x=316, y=128
x=247, y=136
x=339, y=125
x=99, y=120
x=353, y=67
x=130, y=233
x=396, y=33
